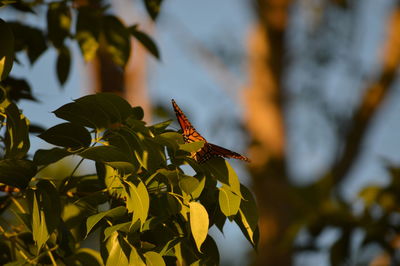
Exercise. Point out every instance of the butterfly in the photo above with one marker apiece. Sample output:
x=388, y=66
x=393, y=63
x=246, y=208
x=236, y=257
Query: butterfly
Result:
x=209, y=150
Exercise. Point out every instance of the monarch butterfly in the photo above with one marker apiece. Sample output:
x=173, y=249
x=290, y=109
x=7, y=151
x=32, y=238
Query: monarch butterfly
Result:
x=209, y=150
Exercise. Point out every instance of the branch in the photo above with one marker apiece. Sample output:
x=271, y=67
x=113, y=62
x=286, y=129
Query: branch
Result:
x=371, y=103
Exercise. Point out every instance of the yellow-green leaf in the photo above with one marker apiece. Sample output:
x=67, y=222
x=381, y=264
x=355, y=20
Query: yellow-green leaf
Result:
x=192, y=147
x=153, y=259
x=138, y=202
x=198, y=223
x=228, y=201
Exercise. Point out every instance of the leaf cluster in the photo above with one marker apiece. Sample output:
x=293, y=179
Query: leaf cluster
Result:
x=144, y=206
x=88, y=23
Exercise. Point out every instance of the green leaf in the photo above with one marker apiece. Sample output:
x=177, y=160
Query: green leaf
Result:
x=116, y=254
x=248, y=218
x=135, y=259
x=137, y=112
x=29, y=39
x=118, y=43
x=45, y=157
x=153, y=259
x=170, y=139
x=16, y=173
x=67, y=135
x=88, y=28
x=6, y=49
x=210, y=253
x=224, y=173
x=58, y=22
x=110, y=230
x=192, y=147
x=46, y=212
x=145, y=40
x=188, y=183
x=153, y=7
x=18, y=89
x=63, y=64
x=77, y=114
x=96, y=111
x=198, y=223
x=138, y=202
x=86, y=256
x=171, y=175
x=126, y=140
x=160, y=127
x=228, y=201
x=39, y=229
x=104, y=154
x=170, y=245
x=123, y=167
x=17, y=135
x=94, y=219
x=370, y=194
x=197, y=192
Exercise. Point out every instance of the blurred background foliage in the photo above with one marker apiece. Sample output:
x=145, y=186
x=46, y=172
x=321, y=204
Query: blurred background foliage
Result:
x=317, y=81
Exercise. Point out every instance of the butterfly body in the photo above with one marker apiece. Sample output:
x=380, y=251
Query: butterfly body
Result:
x=208, y=150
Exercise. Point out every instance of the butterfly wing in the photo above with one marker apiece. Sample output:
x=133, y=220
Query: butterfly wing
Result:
x=216, y=150
x=188, y=131
x=209, y=150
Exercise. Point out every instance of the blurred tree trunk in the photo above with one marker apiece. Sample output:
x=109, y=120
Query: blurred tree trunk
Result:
x=130, y=82
x=265, y=102
x=264, y=119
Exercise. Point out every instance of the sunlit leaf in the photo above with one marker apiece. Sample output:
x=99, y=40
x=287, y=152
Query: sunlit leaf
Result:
x=17, y=134
x=46, y=212
x=170, y=245
x=224, y=172
x=192, y=147
x=199, y=189
x=188, y=183
x=110, y=230
x=198, y=223
x=138, y=202
x=39, y=229
x=228, y=201
x=248, y=215
x=94, y=219
x=135, y=259
x=116, y=254
x=153, y=259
